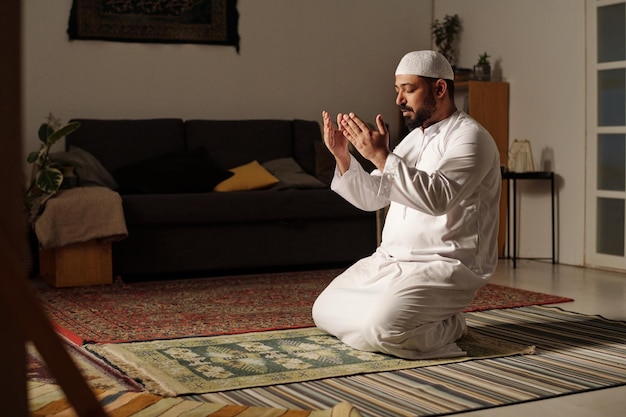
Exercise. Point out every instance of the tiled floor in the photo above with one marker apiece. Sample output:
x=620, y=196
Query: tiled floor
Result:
x=594, y=292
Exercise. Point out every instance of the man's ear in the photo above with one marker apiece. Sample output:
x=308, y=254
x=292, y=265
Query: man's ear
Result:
x=441, y=87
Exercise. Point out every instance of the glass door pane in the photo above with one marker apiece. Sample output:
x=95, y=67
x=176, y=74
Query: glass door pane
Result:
x=612, y=162
x=610, y=229
x=612, y=97
x=611, y=33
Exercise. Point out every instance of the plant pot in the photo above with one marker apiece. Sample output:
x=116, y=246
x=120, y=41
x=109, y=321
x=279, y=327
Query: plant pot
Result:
x=70, y=180
x=482, y=72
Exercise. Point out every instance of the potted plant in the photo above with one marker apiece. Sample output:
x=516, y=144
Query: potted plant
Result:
x=482, y=70
x=46, y=174
x=444, y=33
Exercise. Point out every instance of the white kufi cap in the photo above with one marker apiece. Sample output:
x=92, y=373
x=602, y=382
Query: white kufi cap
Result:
x=425, y=64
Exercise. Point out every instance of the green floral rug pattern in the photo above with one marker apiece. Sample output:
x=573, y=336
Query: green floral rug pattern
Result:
x=220, y=363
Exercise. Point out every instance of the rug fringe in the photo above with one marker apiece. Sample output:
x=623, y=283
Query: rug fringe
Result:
x=491, y=342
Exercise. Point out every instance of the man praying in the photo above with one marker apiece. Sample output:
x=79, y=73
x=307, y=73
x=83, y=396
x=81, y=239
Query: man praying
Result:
x=439, y=241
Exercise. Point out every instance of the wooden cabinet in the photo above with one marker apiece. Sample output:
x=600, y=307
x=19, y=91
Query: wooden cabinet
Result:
x=488, y=103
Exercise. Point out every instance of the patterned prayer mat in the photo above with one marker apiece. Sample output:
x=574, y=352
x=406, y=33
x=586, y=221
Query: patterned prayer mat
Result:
x=220, y=363
x=213, y=306
x=49, y=401
x=574, y=353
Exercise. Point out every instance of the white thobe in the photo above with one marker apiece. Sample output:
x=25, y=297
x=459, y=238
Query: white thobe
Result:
x=439, y=243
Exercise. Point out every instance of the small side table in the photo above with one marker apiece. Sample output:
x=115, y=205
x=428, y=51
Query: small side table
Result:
x=514, y=176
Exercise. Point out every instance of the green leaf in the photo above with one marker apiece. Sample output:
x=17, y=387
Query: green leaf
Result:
x=32, y=157
x=63, y=131
x=42, y=156
x=45, y=130
x=49, y=180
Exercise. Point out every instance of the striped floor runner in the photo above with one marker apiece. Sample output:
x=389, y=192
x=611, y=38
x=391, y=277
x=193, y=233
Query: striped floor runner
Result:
x=575, y=353
x=48, y=400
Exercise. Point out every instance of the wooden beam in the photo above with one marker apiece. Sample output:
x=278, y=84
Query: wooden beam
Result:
x=23, y=319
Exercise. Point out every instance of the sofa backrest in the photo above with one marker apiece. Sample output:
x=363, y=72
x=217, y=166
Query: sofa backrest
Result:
x=306, y=133
x=236, y=142
x=117, y=143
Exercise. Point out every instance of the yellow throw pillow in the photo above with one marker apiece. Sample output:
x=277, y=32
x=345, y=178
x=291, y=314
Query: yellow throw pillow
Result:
x=251, y=176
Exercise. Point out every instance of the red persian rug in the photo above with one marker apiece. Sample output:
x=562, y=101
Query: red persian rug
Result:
x=213, y=306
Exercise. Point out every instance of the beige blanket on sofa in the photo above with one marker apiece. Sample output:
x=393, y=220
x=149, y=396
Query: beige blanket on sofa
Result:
x=79, y=215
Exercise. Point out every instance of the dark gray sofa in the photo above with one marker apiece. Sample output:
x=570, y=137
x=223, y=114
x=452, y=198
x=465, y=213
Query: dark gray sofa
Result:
x=187, y=230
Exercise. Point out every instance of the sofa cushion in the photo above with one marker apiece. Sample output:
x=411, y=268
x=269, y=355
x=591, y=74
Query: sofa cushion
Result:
x=251, y=176
x=179, y=172
x=243, y=208
x=117, y=143
x=291, y=175
x=236, y=142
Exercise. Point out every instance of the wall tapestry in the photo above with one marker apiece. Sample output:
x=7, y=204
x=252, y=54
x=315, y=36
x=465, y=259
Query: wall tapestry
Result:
x=159, y=21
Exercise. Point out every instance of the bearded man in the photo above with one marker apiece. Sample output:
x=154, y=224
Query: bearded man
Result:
x=439, y=241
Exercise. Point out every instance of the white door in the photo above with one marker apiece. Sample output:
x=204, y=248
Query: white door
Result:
x=605, y=239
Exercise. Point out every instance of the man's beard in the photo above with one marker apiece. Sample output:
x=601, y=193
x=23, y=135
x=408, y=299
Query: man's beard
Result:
x=422, y=115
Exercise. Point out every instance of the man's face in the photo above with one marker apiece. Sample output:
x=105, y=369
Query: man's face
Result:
x=416, y=98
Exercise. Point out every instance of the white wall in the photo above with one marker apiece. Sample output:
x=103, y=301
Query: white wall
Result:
x=296, y=58
x=299, y=57
x=539, y=46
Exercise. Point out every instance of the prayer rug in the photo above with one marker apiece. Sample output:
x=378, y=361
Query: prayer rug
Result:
x=220, y=363
x=575, y=353
x=50, y=401
x=212, y=306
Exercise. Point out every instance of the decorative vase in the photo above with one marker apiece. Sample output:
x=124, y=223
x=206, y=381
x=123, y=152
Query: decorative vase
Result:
x=482, y=72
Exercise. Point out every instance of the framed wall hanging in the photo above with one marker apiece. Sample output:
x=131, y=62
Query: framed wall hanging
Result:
x=156, y=21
